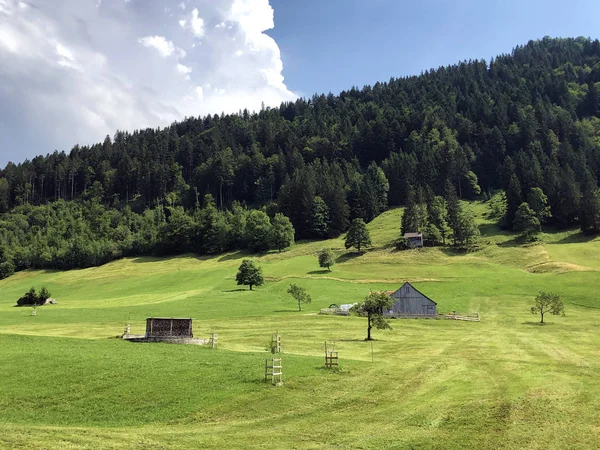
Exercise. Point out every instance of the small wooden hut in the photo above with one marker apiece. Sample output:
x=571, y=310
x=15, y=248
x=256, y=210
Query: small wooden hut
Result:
x=414, y=240
x=157, y=327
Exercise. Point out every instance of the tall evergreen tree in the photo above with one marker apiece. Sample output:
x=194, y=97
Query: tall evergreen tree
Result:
x=357, y=236
x=589, y=214
x=513, y=200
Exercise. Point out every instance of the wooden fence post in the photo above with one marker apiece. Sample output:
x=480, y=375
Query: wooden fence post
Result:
x=213, y=340
x=274, y=370
x=331, y=357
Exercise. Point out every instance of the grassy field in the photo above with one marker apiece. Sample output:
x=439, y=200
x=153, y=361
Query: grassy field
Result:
x=66, y=381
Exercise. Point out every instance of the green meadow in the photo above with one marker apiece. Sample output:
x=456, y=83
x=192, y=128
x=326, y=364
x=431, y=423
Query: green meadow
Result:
x=68, y=381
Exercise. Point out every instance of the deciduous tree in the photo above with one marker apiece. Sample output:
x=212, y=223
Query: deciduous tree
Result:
x=282, y=232
x=373, y=308
x=326, y=259
x=547, y=302
x=249, y=274
x=299, y=294
x=538, y=201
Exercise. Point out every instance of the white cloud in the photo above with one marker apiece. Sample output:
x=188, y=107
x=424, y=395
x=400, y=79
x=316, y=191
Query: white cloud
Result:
x=159, y=43
x=68, y=80
x=194, y=23
x=182, y=6
x=64, y=52
x=184, y=70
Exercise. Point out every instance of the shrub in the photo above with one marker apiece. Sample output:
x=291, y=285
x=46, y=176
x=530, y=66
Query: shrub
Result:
x=7, y=269
x=31, y=298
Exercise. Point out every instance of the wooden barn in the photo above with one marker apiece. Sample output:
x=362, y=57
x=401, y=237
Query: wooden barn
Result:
x=409, y=302
x=168, y=328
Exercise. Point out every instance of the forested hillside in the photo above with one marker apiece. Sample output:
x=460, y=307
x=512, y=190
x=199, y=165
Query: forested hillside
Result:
x=526, y=120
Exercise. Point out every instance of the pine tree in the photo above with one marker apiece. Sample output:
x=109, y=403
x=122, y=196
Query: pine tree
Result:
x=589, y=214
x=437, y=213
x=358, y=236
x=526, y=221
x=513, y=200
x=454, y=210
x=320, y=218
x=414, y=218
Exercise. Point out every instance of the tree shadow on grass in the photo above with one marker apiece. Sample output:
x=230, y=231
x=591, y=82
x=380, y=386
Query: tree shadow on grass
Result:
x=537, y=323
x=578, y=238
x=147, y=259
x=348, y=256
x=287, y=311
x=233, y=256
x=318, y=272
x=237, y=290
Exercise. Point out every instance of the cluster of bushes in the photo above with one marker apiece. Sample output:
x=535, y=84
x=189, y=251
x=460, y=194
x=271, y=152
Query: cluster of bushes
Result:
x=32, y=298
x=7, y=268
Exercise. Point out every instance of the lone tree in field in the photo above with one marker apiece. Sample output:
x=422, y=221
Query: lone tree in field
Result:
x=249, y=274
x=299, y=294
x=358, y=235
x=372, y=307
x=326, y=259
x=547, y=302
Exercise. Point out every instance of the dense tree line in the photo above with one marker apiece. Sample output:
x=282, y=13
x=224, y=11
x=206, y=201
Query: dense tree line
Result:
x=86, y=233
x=523, y=121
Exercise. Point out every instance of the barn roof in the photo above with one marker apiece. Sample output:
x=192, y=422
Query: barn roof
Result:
x=413, y=235
x=415, y=290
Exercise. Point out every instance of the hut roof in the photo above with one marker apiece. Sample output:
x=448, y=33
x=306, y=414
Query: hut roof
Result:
x=413, y=235
x=393, y=292
x=170, y=318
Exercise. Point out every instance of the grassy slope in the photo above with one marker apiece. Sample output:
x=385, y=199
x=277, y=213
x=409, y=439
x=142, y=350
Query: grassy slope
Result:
x=503, y=382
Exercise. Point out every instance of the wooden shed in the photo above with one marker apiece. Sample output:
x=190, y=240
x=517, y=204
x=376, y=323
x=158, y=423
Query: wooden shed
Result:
x=157, y=327
x=414, y=240
x=409, y=302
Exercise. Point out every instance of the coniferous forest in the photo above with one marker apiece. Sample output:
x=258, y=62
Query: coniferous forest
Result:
x=526, y=123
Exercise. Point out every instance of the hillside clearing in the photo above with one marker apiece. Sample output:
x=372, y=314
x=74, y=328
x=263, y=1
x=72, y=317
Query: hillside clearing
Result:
x=504, y=382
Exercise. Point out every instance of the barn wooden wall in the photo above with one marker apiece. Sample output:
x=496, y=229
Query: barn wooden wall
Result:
x=409, y=301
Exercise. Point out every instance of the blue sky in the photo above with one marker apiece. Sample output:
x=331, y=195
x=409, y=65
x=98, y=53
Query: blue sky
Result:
x=330, y=45
x=65, y=80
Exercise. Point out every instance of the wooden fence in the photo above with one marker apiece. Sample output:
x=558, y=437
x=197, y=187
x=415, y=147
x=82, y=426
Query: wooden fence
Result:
x=335, y=312
x=466, y=317
x=413, y=316
x=470, y=317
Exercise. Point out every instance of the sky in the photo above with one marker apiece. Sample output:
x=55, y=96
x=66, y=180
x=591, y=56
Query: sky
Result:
x=73, y=71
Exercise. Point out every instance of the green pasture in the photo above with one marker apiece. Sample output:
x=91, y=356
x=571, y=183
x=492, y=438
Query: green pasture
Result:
x=67, y=381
